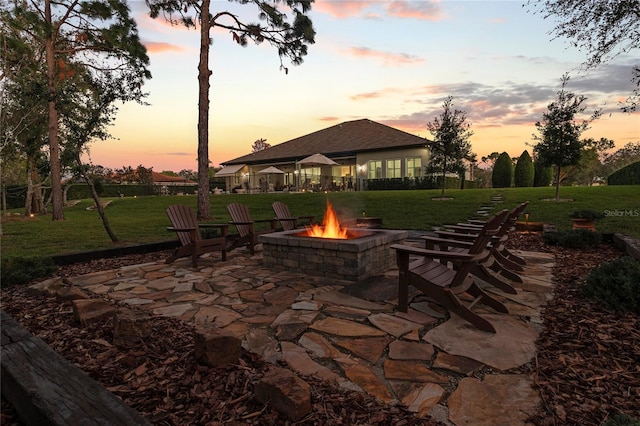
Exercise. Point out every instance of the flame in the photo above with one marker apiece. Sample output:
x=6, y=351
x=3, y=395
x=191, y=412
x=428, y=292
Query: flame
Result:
x=330, y=227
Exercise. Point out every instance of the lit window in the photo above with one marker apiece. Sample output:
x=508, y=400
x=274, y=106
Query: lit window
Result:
x=393, y=169
x=375, y=169
x=414, y=167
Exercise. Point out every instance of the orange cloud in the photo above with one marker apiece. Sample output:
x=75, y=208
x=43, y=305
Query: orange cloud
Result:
x=386, y=57
x=159, y=47
x=341, y=9
x=424, y=10
x=329, y=118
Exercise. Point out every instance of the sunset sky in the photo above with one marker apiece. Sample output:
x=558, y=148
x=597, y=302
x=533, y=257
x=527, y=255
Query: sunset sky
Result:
x=393, y=62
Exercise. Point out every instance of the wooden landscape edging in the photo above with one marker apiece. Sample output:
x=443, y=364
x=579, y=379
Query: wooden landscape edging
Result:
x=46, y=389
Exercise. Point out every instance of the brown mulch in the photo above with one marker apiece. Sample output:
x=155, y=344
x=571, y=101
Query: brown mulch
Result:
x=587, y=367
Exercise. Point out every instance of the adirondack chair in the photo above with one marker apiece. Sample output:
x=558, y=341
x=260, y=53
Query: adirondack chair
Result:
x=185, y=224
x=505, y=257
x=489, y=269
x=248, y=234
x=287, y=221
x=431, y=274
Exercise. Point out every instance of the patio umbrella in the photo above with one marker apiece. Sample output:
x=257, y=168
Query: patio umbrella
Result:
x=271, y=169
x=317, y=160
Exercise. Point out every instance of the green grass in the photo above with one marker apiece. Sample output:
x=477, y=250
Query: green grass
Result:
x=143, y=219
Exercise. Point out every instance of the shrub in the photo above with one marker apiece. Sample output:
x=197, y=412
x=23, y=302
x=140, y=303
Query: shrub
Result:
x=21, y=270
x=542, y=175
x=502, y=172
x=578, y=238
x=622, y=420
x=523, y=174
x=586, y=214
x=616, y=284
x=629, y=175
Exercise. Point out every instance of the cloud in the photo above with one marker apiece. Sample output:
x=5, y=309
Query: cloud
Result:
x=179, y=154
x=160, y=47
x=341, y=9
x=329, y=118
x=423, y=10
x=387, y=58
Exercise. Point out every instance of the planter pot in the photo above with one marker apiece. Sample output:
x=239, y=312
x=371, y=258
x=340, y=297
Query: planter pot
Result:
x=583, y=224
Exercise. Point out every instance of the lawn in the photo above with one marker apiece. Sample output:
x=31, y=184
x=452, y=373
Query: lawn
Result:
x=143, y=219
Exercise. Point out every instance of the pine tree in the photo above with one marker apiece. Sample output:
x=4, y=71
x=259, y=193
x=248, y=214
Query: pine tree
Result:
x=523, y=174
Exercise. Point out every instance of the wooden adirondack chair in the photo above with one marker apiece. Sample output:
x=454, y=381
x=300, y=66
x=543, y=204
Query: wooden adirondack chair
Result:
x=506, y=258
x=287, y=221
x=431, y=275
x=185, y=224
x=248, y=234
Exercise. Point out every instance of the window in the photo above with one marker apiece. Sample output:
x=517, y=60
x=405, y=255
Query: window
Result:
x=414, y=167
x=393, y=169
x=375, y=169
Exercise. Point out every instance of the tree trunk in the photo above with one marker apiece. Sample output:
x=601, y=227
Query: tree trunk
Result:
x=54, y=146
x=96, y=199
x=557, y=183
x=204, y=210
x=444, y=172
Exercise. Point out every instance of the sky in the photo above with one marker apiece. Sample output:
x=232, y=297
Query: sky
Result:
x=394, y=62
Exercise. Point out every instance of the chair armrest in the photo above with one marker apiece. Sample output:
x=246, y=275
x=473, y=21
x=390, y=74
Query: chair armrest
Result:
x=288, y=219
x=456, y=236
x=250, y=222
x=309, y=218
x=271, y=221
x=432, y=253
x=448, y=242
x=171, y=228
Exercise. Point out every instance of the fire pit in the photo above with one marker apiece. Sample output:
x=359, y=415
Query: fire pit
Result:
x=354, y=255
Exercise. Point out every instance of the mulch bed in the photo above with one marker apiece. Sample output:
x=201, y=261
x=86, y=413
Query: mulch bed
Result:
x=587, y=368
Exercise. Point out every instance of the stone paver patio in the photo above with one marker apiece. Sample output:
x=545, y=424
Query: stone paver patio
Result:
x=352, y=334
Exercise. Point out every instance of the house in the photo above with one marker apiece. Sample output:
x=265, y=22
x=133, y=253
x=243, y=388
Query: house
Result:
x=361, y=150
x=172, y=184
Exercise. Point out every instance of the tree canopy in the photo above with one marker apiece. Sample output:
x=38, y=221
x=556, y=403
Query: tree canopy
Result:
x=289, y=38
x=559, y=131
x=73, y=45
x=602, y=29
x=450, y=146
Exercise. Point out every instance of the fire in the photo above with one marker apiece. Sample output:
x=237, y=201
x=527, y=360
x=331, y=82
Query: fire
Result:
x=330, y=227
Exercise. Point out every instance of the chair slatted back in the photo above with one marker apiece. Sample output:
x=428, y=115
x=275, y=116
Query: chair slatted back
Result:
x=240, y=213
x=479, y=246
x=282, y=212
x=184, y=217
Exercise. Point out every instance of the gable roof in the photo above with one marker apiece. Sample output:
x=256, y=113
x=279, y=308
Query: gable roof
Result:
x=345, y=138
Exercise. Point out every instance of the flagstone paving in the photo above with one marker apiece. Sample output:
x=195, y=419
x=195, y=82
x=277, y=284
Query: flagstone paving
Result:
x=351, y=333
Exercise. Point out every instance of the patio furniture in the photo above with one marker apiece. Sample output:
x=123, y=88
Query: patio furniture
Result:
x=247, y=232
x=430, y=274
x=185, y=224
x=505, y=257
x=287, y=221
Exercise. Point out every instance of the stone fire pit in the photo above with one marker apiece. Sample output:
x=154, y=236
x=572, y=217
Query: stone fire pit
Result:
x=366, y=253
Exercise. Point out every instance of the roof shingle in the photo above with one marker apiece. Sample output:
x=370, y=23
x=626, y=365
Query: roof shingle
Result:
x=345, y=138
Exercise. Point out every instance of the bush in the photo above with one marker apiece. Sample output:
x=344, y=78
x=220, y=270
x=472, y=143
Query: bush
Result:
x=21, y=270
x=578, y=238
x=616, y=284
x=502, y=172
x=622, y=420
x=523, y=174
x=629, y=175
x=542, y=175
